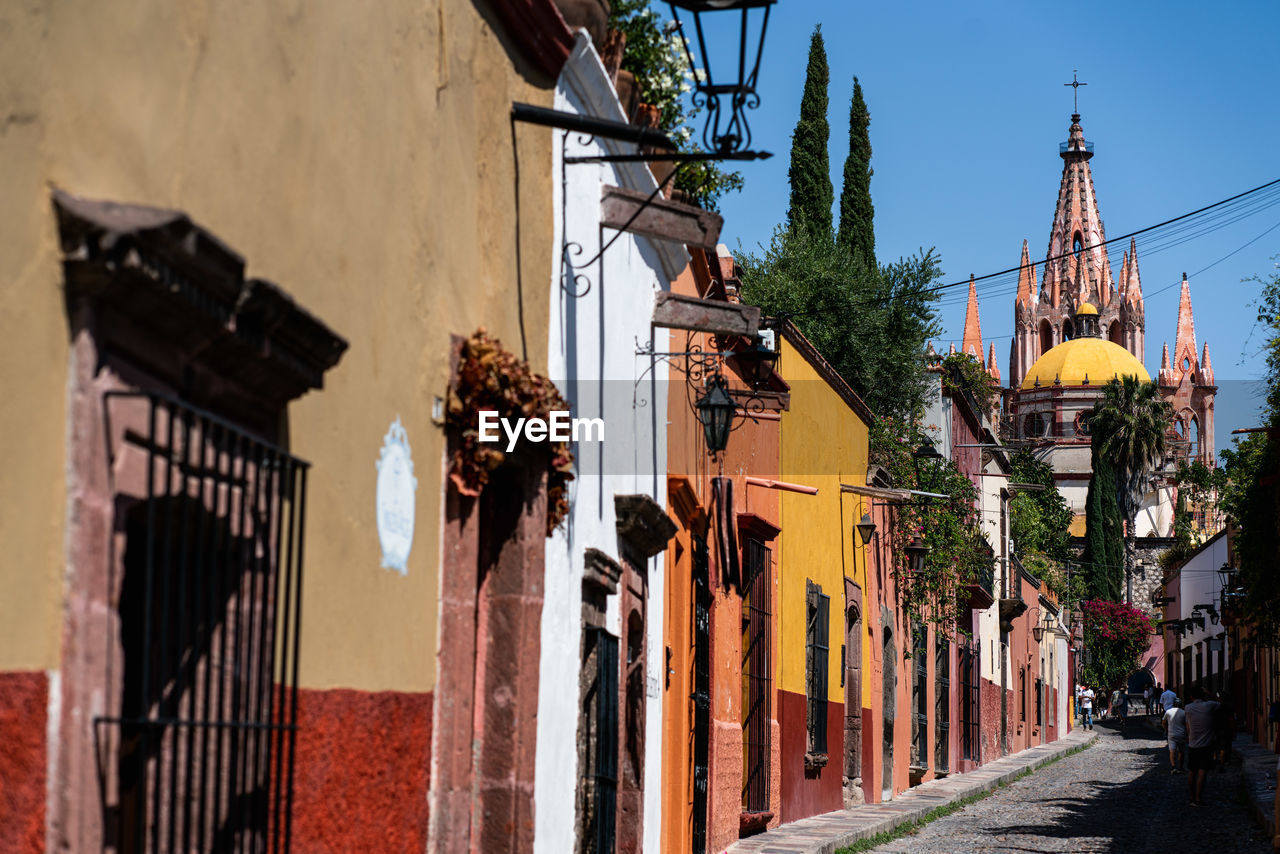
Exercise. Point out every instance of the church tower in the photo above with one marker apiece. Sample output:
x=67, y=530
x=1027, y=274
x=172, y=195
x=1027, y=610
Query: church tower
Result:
x=1076, y=271
x=1188, y=385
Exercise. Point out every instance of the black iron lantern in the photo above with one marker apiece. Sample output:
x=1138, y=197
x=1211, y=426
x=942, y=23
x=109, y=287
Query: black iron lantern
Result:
x=916, y=551
x=926, y=453
x=723, y=90
x=1227, y=575
x=716, y=410
x=866, y=529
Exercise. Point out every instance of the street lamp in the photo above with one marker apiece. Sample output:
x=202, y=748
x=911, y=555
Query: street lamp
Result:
x=726, y=130
x=916, y=551
x=926, y=453
x=716, y=410
x=866, y=529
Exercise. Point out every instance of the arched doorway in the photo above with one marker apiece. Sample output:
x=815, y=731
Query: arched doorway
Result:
x=853, y=775
x=1067, y=330
x=1046, y=337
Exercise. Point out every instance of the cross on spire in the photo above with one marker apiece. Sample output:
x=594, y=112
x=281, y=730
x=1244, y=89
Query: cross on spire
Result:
x=1075, y=85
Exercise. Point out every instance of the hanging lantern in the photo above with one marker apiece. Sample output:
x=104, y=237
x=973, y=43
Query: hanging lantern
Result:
x=716, y=410
x=926, y=453
x=916, y=551
x=725, y=89
x=866, y=529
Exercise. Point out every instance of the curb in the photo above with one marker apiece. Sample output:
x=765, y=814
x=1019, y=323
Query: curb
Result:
x=825, y=834
x=1259, y=767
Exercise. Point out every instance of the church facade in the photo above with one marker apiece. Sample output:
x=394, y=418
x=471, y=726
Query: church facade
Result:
x=1079, y=323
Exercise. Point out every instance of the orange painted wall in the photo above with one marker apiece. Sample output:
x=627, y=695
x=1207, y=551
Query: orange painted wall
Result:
x=752, y=451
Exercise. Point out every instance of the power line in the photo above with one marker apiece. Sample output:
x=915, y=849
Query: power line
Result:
x=1205, y=225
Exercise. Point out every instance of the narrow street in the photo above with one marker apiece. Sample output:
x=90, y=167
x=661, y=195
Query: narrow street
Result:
x=1116, y=796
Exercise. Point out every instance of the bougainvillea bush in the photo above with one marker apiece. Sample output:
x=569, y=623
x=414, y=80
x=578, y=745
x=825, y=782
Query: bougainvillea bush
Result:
x=1115, y=636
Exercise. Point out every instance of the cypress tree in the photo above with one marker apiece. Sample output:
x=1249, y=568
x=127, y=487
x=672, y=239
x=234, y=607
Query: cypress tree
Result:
x=1104, y=534
x=810, y=171
x=857, y=228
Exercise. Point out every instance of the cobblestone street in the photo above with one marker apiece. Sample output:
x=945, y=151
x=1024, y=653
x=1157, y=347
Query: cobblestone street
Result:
x=1117, y=796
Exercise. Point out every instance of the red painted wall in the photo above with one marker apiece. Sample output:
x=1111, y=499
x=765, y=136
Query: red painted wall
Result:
x=815, y=792
x=362, y=771
x=24, y=699
x=989, y=720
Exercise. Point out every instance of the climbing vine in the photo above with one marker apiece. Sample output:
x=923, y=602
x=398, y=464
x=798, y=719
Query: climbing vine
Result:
x=958, y=555
x=491, y=379
x=961, y=372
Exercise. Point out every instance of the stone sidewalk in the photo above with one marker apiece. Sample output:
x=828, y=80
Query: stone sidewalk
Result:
x=825, y=834
x=1259, y=765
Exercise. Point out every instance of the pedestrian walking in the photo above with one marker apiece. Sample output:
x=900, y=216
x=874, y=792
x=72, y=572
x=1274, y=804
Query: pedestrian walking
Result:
x=1079, y=691
x=1146, y=699
x=1175, y=728
x=1122, y=707
x=1086, y=707
x=1200, y=742
x=1166, y=699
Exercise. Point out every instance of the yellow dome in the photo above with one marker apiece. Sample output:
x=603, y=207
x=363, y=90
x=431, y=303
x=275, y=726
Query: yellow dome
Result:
x=1088, y=308
x=1071, y=361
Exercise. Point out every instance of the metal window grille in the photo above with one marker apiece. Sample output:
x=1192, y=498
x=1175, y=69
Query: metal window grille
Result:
x=920, y=660
x=201, y=755
x=603, y=696
x=701, y=695
x=818, y=629
x=1022, y=693
x=1039, y=702
x=756, y=676
x=942, y=713
x=969, y=703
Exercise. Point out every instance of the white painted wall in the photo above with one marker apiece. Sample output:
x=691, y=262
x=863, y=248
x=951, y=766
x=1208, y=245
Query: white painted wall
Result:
x=592, y=359
x=1199, y=585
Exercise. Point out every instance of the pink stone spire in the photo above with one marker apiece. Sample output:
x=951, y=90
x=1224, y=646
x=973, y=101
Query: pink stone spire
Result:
x=1184, y=346
x=1206, y=367
x=992, y=368
x=1026, y=277
x=971, y=341
x=1133, y=283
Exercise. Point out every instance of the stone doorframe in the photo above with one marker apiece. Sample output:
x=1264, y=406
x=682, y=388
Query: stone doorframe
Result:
x=853, y=627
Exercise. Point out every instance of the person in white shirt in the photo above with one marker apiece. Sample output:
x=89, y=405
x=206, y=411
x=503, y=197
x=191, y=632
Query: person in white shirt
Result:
x=1166, y=699
x=1175, y=727
x=1086, y=707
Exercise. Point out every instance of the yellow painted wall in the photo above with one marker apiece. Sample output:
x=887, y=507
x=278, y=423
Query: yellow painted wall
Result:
x=824, y=444
x=359, y=155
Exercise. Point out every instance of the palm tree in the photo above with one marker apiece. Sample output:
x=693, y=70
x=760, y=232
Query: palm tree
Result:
x=1128, y=423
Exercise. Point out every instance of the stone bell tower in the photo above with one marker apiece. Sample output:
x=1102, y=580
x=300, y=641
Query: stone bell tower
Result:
x=1076, y=270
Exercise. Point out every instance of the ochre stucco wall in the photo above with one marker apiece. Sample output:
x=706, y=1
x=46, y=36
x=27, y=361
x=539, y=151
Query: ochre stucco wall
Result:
x=823, y=443
x=361, y=157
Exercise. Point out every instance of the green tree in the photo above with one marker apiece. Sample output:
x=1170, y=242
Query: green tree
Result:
x=1252, y=496
x=857, y=214
x=810, y=170
x=1128, y=424
x=870, y=325
x=1103, y=556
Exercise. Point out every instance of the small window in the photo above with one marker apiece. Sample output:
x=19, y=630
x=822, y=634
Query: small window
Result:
x=1077, y=245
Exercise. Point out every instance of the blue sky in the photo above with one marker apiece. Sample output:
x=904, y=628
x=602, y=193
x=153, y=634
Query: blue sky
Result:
x=967, y=110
